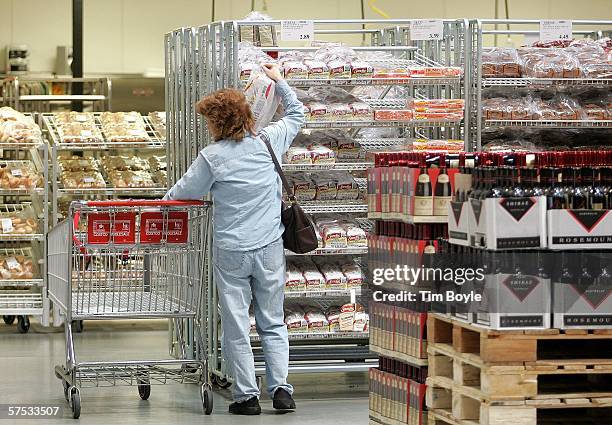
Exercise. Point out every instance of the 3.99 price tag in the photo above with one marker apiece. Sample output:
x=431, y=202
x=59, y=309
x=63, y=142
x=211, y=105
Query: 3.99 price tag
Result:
x=297, y=31
x=555, y=30
x=426, y=29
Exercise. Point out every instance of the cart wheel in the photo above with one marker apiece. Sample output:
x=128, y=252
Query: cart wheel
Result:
x=220, y=382
x=207, y=398
x=75, y=403
x=77, y=325
x=66, y=387
x=23, y=324
x=9, y=320
x=144, y=390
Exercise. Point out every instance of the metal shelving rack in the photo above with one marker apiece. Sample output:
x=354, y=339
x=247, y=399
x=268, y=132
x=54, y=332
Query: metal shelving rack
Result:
x=37, y=94
x=483, y=31
x=204, y=59
x=26, y=297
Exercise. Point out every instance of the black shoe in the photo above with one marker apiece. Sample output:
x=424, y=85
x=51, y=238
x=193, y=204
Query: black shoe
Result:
x=247, y=407
x=283, y=400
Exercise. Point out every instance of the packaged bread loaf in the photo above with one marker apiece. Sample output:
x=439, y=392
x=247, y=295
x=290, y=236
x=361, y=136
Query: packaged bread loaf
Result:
x=549, y=63
x=303, y=188
x=19, y=175
x=77, y=163
x=317, y=321
x=346, y=187
x=294, y=279
x=325, y=187
x=131, y=179
x=353, y=273
x=16, y=267
x=317, y=69
x=313, y=277
x=356, y=237
x=124, y=163
x=18, y=128
x=298, y=155
x=158, y=162
x=160, y=177
x=77, y=127
x=501, y=62
x=339, y=112
x=334, y=278
x=333, y=318
x=322, y=155
x=295, y=321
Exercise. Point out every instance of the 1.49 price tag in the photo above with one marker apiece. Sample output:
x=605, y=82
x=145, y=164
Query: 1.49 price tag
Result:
x=426, y=29
x=297, y=30
x=555, y=30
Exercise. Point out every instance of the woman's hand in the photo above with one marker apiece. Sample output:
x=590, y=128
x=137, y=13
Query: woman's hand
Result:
x=272, y=70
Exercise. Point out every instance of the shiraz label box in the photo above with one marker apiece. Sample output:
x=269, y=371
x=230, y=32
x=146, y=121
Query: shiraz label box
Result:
x=579, y=229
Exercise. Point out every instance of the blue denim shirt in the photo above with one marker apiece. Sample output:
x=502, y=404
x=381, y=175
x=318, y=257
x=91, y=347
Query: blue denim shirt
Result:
x=241, y=177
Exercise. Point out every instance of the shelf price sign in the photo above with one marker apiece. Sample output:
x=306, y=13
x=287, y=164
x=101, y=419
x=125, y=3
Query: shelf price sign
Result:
x=426, y=29
x=297, y=30
x=555, y=30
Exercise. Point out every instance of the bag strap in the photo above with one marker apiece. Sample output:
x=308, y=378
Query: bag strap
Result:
x=278, y=167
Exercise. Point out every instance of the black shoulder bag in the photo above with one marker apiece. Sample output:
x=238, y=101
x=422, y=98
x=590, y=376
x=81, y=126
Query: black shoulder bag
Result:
x=299, y=236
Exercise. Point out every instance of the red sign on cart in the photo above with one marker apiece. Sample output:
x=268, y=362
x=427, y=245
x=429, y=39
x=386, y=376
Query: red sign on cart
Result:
x=157, y=226
x=104, y=228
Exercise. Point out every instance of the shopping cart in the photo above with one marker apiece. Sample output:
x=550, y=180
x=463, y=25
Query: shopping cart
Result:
x=132, y=260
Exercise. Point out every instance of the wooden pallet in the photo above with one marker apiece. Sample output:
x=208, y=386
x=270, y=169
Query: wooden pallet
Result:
x=517, y=347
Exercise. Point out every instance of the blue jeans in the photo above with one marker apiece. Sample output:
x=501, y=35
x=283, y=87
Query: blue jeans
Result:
x=258, y=276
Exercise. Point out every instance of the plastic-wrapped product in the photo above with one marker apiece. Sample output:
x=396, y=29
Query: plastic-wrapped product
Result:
x=17, y=267
x=318, y=111
x=348, y=148
x=304, y=188
x=353, y=273
x=131, y=179
x=324, y=138
x=158, y=120
x=361, y=69
x=260, y=94
x=124, y=163
x=361, y=111
x=291, y=56
x=560, y=107
x=19, y=222
x=295, y=70
x=334, y=278
x=298, y=155
x=346, y=187
x=82, y=180
x=356, y=237
x=501, y=108
x=549, y=63
x=317, y=321
x=347, y=317
x=325, y=187
x=361, y=322
x=294, y=279
x=259, y=35
x=317, y=69
x=333, y=318
x=19, y=175
x=500, y=62
x=295, y=321
x=393, y=115
x=322, y=155
x=333, y=234
x=246, y=68
x=340, y=112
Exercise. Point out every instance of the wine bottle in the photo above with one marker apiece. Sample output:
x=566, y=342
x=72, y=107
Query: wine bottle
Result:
x=423, y=202
x=442, y=193
x=598, y=195
x=578, y=198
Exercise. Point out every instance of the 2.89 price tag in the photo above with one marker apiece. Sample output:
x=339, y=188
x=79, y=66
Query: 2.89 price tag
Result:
x=555, y=30
x=293, y=30
x=426, y=29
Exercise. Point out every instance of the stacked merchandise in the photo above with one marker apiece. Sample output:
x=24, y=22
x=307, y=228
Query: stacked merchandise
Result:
x=23, y=219
x=311, y=276
x=397, y=393
x=105, y=155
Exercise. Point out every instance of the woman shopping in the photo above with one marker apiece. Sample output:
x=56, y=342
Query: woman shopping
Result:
x=249, y=261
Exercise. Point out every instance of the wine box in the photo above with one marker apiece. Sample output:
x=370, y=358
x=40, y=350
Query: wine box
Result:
x=459, y=223
x=579, y=229
x=582, y=307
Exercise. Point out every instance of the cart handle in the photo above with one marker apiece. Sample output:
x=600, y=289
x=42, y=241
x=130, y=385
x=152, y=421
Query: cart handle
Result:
x=145, y=203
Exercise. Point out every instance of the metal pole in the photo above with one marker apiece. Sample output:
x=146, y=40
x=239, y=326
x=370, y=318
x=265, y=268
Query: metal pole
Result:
x=77, y=51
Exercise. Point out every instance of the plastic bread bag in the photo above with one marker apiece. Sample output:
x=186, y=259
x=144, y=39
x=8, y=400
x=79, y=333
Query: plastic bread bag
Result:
x=317, y=69
x=322, y=155
x=294, y=279
x=317, y=321
x=295, y=321
x=361, y=111
x=318, y=111
x=131, y=179
x=333, y=235
x=17, y=267
x=347, y=147
x=500, y=62
x=334, y=278
x=121, y=119
x=332, y=95
x=82, y=180
x=361, y=69
x=304, y=188
x=77, y=163
x=298, y=155
x=158, y=162
x=549, y=63
x=325, y=187
x=18, y=221
x=13, y=131
x=340, y=112
x=333, y=318
x=356, y=237
x=346, y=187
x=160, y=177
x=294, y=70
x=324, y=138
x=314, y=279
x=353, y=273
x=19, y=175
x=260, y=94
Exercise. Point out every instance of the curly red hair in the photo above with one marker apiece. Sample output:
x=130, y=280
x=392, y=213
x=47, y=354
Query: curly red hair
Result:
x=228, y=114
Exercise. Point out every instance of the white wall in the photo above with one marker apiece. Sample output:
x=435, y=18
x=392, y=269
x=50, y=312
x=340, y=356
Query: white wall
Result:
x=127, y=35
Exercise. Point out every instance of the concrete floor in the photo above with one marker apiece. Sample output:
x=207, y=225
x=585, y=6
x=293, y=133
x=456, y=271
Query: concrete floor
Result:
x=26, y=377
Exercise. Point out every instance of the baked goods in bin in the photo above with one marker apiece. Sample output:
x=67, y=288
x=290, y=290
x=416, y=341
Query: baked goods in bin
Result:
x=549, y=63
x=158, y=162
x=77, y=163
x=77, y=127
x=18, y=220
x=16, y=127
x=503, y=108
x=131, y=179
x=91, y=179
x=158, y=120
x=125, y=127
x=160, y=177
x=16, y=267
x=501, y=62
x=124, y=163
x=558, y=108
x=19, y=175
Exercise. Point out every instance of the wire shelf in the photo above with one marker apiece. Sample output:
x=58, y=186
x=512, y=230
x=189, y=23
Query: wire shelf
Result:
x=550, y=124
x=526, y=81
x=140, y=191
x=321, y=336
x=410, y=81
x=323, y=207
x=156, y=140
x=375, y=123
x=343, y=166
x=14, y=303
x=411, y=219
x=326, y=293
x=332, y=251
